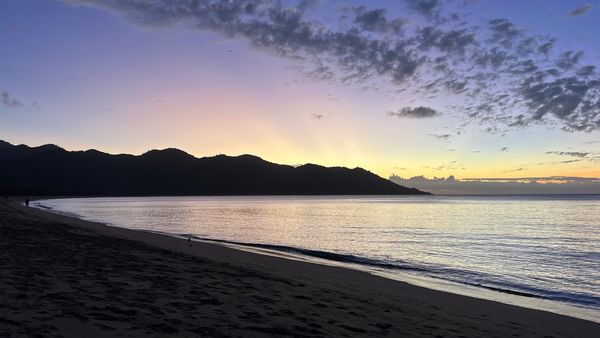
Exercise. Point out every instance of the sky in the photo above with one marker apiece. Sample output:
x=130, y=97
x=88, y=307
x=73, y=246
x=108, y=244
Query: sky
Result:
x=462, y=88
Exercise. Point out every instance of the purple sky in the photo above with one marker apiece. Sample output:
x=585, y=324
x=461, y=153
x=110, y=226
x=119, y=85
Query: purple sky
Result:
x=435, y=88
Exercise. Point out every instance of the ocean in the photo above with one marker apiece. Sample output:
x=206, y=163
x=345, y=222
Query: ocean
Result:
x=537, y=251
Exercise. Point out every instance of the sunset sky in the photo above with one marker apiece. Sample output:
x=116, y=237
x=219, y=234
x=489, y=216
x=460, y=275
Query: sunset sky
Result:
x=414, y=87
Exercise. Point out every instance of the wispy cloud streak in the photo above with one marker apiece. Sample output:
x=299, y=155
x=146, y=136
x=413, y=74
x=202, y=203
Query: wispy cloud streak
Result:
x=7, y=101
x=582, y=10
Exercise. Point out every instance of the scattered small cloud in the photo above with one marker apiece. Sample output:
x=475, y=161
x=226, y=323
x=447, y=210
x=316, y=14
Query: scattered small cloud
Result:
x=7, y=101
x=582, y=10
x=451, y=165
x=504, y=149
x=514, y=170
x=441, y=137
x=417, y=112
x=316, y=116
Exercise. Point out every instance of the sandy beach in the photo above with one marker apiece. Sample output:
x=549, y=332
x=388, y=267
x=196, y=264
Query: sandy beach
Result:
x=63, y=277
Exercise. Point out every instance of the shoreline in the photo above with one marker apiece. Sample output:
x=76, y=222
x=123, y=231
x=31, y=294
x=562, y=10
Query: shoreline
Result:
x=429, y=311
x=504, y=296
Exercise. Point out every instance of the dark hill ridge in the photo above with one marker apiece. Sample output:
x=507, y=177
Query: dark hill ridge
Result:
x=51, y=170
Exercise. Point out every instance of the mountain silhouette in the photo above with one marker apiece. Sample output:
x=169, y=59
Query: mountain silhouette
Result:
x=50, y=170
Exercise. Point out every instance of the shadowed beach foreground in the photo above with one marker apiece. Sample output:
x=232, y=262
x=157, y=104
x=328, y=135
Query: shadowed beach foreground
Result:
x=67, y=277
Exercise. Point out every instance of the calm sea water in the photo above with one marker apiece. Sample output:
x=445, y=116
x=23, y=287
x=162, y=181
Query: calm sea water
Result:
x=539, y=247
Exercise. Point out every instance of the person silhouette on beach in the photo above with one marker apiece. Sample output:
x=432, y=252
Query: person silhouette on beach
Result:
x=189, y=241
x=27, y=202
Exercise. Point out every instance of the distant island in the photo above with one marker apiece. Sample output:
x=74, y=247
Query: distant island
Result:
x=49, y=170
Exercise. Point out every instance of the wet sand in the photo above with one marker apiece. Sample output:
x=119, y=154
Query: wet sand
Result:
x=66, y=277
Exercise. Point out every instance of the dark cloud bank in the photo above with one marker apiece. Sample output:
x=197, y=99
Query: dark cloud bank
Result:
x=523, y=185
x=501, y=74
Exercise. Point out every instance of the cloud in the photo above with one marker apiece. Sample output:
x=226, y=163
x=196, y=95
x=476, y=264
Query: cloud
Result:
x=504, y=31
x=316, y=116
x=9, y=102
x=376, y=21
x=441, y=137
x=520, y=185
x=582, y=10
x=573, y=100
x=514, y=170
x=500, y=73
x=428, y=8
x=546, y=47
x=452, y=165
x=417, y=112
x=568, y=59
x=504, y=149
x=581, y=154
x=282, y=31
x=452, y=41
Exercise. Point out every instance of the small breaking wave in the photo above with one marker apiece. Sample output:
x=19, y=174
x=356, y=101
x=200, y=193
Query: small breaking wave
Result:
x=470, y=278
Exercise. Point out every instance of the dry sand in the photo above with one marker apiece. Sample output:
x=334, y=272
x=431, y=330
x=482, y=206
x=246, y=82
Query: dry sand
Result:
x=66, y=277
